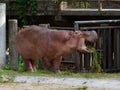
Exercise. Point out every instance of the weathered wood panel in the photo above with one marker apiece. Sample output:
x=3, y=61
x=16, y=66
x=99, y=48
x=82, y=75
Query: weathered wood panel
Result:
x=117, y=47
x=107, y=46
x=74, y=7
x=13, y=29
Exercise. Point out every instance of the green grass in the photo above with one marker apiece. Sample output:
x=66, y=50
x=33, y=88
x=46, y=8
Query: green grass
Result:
x=78, y=88
x=62, y=74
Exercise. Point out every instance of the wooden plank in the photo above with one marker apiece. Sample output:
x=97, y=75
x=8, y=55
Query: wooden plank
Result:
x=118, y=47
x=109, y=44
x=81, y=64
x=87, y=61
x=115, y=45
x=91, y=59
x=100, y=38
x=116, y=56
x=100, y=46
x=104, y=50
x=77, y=60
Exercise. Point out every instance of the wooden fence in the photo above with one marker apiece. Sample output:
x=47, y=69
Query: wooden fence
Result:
x=49, y=7
x=108, y=44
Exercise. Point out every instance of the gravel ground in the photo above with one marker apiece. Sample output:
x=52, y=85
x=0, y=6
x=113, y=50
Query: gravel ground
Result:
x=55, y=83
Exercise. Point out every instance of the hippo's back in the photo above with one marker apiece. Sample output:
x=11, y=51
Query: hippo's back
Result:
x=35, y=42
x=27, y=42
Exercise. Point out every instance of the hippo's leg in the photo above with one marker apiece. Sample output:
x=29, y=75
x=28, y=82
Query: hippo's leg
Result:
x=33, y=62
x=46, y=64
x=28, y=65
x=56, y=65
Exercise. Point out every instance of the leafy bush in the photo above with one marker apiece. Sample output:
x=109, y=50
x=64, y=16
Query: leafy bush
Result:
x=95, y=65
x=20, y=64
x=26, y=7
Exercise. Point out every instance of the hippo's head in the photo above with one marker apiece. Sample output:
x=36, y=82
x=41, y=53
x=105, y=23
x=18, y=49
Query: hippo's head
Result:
x=75, y=41
x=90, y=36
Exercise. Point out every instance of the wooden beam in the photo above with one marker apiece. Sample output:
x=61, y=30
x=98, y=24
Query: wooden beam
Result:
x=13, y=28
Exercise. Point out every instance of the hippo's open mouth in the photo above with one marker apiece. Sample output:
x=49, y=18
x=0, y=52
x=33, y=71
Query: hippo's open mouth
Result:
x=90, y=48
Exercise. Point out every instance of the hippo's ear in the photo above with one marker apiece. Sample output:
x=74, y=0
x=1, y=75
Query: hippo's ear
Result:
x=71, y=33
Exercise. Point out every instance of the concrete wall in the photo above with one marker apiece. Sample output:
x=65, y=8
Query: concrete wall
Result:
x=2, y=34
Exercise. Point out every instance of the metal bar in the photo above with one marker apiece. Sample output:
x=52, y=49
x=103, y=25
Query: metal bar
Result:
x=100, y=27
x=76, y=26
x=97, y=21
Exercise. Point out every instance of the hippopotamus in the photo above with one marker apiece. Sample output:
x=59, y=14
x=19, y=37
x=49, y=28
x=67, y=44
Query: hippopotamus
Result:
x=49, y=46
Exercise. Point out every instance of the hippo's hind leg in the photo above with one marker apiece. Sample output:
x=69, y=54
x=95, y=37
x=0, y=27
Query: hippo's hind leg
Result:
x=33, y=62
x=30, y=65
x=56, y=64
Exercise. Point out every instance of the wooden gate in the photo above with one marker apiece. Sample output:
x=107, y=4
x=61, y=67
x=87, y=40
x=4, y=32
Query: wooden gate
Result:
x=108, y=44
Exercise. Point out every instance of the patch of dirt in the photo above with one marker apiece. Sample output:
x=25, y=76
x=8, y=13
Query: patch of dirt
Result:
x=29, y=86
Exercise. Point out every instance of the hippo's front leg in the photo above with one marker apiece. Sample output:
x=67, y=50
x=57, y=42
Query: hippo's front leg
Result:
x=46, y=64
x=56, y=64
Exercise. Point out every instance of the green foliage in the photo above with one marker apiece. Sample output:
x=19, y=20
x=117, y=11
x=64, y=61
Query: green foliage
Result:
x=20, y=64
x=78, y=88
x=62, y=74
x=6, y=78
x=95, y=65
x=82, y=88
x=82, y=4
x=38, y=64
x=26, y=7
x=7, y=66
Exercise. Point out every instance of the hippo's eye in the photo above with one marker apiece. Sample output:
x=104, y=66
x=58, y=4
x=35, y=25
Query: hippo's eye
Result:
x=76, y=32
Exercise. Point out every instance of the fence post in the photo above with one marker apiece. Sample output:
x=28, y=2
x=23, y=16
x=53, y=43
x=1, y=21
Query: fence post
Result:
x=13, y=55
x=2, y=35
x=99, y=5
